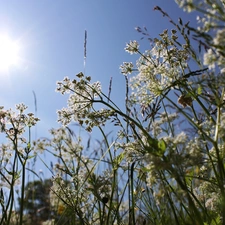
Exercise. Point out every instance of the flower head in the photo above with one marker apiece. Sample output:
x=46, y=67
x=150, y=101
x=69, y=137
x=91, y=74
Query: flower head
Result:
x=132, y=47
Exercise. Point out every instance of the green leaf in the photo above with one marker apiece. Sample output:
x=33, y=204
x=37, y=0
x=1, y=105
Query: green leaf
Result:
x=153, y=143
x=215, y=221
x=118, y=160
x=156, y=147
x=199, y=90
x=145, y=169
x=162, y=145
x=28, y=145
x=189, y=178
x=9, y=172
x=31, y=156
x=34, y=173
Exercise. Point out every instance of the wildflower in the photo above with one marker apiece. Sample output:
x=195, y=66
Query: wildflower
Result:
x=212, y=203
x=126, y=68
x=210, y=59
x=132, y=47
x=187, y=5
x=222, y=70
x=21, y=107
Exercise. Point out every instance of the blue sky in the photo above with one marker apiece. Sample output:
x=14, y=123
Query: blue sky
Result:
x=51, y=35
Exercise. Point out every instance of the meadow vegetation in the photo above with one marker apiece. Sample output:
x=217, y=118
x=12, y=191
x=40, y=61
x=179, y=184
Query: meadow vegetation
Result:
x=163, y=164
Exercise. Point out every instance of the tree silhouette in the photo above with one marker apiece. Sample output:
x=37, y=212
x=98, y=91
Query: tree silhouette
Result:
x=37, y=200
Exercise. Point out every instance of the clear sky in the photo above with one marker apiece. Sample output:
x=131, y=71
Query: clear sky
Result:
x=51, y=36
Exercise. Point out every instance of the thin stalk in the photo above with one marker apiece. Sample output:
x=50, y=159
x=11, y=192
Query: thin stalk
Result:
x=171, y=128
x=127, y=139
x=14, y=171
x=23, y=177
x=100, y=213
x=114, y=183
x=125, y=116
x=184, y=187
x=121, y=199
x=132, y=193
x=22, y=192
x=190, y=119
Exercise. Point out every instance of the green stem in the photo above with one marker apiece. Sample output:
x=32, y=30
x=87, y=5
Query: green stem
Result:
x=14, y=171
x=22, y=192
x=114, y=182
x=126, y=117
x=189, y=119
x=132, y=193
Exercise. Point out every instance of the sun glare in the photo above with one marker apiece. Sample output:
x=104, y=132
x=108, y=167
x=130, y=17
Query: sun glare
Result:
x=9, y=50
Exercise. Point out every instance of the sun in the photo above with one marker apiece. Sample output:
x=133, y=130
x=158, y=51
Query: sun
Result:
x=9, y=50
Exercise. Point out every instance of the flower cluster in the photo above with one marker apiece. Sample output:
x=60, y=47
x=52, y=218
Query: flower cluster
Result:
x=15, y=154
x=170, y=138
x=132, y=47
x=82, y=94
x=76, y=185
x=126, y=68
x=157, y=68
x=13, y=123
x=211, y=29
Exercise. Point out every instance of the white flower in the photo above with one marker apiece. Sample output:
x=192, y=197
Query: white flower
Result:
x=49, y=222
x=219, y=38
x=180, y=138
x=126, y=68
x=132, y=47
x=212, y=203
x=210, y=59
x=187, y=5
x=222, y=70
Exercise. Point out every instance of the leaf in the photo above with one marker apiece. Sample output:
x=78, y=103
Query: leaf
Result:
x=34, y=173
x=118, y=160
x=189, y=178
x=31, y=156
x=156, y=147
x=199, y=90
x=145, y=169
x=153, y=143
x=120, y=157
x=215, y=221
x=9, y=172
x=162, y=145
x=28, y=145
